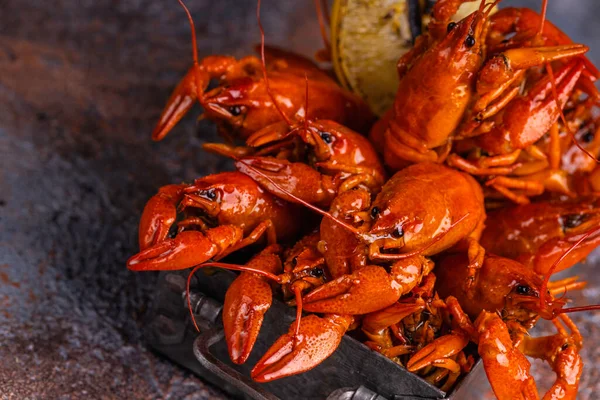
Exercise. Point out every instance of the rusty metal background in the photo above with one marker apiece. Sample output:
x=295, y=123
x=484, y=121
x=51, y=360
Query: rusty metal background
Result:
x=81, y=84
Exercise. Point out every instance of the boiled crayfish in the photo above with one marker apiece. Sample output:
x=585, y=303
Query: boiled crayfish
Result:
x=419, y=260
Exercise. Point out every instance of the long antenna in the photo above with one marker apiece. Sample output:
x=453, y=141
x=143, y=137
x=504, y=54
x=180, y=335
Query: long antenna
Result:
x=544, y=287
x=543, y=20
x=562, y=115
x=322, y=24
x=194, y=48
x=264, y=65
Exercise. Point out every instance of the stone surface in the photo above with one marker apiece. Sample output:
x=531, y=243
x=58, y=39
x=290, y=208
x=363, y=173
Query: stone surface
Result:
x=81, y=84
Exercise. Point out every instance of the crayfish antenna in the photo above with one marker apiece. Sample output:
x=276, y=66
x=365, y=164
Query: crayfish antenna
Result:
x=490, y=7
x=562, y=115
x=544, y=287
x=554, y=91
x=298, y=296
x=306, y=105
x=543, y=19
x=194, y=47
x=264, y=65
x=593, y=307
x=231, y=267
x=323, y=17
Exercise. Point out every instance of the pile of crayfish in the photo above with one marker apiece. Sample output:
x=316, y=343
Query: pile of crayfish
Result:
x=437, y=226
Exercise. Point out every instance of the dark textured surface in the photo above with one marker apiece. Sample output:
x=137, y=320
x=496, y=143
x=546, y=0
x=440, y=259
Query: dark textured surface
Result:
x=81, y=85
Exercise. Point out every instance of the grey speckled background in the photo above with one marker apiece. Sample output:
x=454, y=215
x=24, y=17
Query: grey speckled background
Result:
x=81, y=84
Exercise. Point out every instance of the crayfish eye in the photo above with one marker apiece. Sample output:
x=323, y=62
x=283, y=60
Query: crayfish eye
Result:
x=235, y=110
x=588, y=137
x=450, y=27
x=327, y=138
x=524, y=290
x=564, y=346
x=398, y=232
x=294, y=261
x=211, y=194
x=470, y=41
x=375, y=212
x=173, y=231
x=572, y=221
x=317, y=272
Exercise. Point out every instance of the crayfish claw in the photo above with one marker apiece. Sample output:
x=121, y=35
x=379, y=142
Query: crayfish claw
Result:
x=247, y=300
x=367, y=290
x=318, y=338
x=159, y=215
x=181, y=101
x=243, y=315
x=187, y=249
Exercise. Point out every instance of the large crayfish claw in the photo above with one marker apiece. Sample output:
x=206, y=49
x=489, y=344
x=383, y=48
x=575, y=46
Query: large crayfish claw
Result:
x=182, y=99
x=281, y=177
x=247, y=300
x=367, y=290
x=438, y=353
x=506, y=367
x=189, y=90
x=187, y=249
x=318, y=338
x=159, y=215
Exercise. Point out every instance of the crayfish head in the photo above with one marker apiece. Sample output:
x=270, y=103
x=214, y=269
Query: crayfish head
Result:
x=573, y=222
x=228, y=197
x=399, y=222
x=231, y=107
x=501, y=284
x=522, y=302
x=305, y=266
x=462, y=47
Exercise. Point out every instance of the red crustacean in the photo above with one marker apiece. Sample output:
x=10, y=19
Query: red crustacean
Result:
x=406, y=222
x=500, y=284
x=519, y=108
x=428, y=110
x=556, y=163
x=339, y=159
x=329, y=159
x=561, y=164
x=502, y=347
x=411, y=263
x=522, y=122
x=224, y=212
x=332, y=158
x=310, y=340
x=536, y=234
x=517, y=292
x=240, y=105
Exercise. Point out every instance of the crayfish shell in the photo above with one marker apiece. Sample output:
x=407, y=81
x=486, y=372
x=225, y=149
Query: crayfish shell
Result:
x=367, y=39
